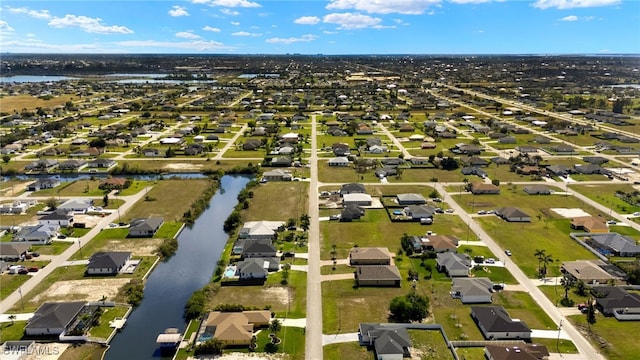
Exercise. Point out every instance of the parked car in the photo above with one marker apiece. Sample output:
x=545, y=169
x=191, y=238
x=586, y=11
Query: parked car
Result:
x=62, y=236
x=23, y=271
x=437, y=200
x=481, y=212
x=439, y=210
x=35, y=254
x=33, y=269
x=508, y=252
x=490, y=261
x=449, y=211
x=498, y=287
x=612, y=222
x=334, y=217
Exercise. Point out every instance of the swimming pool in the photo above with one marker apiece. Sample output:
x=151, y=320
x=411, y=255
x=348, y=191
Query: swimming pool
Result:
x=205, y=337
x=230, y=271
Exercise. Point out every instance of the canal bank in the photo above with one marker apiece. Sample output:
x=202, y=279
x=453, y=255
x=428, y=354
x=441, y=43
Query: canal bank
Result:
x=173, y=281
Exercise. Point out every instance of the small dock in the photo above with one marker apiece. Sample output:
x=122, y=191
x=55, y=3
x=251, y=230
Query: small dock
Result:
x=169, y=339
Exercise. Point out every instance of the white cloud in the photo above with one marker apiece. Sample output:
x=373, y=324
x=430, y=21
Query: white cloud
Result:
x=413, y=7
x=209, y=28
x=569, y=18
x=572, y=4
x=470, y=1
x=178, y=10
x=4, y=27
x=90, y=25
x=291, y=40
x=187, y=35
x=229, y=12
x=307, y=20
x=330, y=32
x=235, y=23
x=234, y=3
x=245, y=33
x=38, y=14
x=351, y=20
x=199, y=45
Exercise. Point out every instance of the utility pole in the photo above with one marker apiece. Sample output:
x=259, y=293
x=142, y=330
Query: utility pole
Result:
x=558, y=340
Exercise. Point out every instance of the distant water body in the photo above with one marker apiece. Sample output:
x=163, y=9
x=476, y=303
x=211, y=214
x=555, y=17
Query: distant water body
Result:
x=34, y=78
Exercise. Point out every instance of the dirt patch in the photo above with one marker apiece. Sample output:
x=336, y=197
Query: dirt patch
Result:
x=182, y=166
x=15, y=188
x=89, y=220
x=86, y=290
x=138, y=247
x=570, y=213
x=281, y=294
x=457, y=230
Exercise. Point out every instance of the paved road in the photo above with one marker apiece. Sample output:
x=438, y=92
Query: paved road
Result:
x=313, y=340
x=59, y=260
x=398, y=144
x=231, y=142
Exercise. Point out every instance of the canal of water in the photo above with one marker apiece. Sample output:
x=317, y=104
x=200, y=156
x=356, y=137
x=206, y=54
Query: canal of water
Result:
x=173, y=281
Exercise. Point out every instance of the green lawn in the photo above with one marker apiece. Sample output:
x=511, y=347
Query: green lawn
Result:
x=613, y=338
x=430, y=344
x=350, y=350
x=9, y=331
x=10, y=283
x=605, y=195
x=292, y=201
x=103, y=330
x=55, y=248
x=376, y=229
x=523, y=239
x=59, y=274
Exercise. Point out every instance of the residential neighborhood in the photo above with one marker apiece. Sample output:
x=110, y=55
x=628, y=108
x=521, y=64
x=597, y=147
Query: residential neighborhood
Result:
x=367, y=208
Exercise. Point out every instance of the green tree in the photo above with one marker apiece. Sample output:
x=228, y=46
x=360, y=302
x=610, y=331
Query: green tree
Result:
x=105, y=200
x=274, y=327
x=51, y=203
x=410, y=307
x=305, y=222
x=567, y=284
x=6, y=158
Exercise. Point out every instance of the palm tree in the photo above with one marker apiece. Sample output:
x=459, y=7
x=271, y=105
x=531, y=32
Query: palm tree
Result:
x=275, y=327
x=567, y=284
x=546, y=260
x=12, y=317
x=539, y=254
x=305, y=222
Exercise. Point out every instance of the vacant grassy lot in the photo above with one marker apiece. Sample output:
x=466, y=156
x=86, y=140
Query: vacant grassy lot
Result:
x=55, y=248
x=350, y=350
x=287, y=300
x=9, y=331
x=170, y=199
x=9, y=283
x=292, y=201
x=19, y=103
x=429, y=344
x=613, y=338
x=30, y=216
x=83, y=352
x=605, y=195
x=181, y=165
x=376, y=229
x=524, y=239
x=60, y=274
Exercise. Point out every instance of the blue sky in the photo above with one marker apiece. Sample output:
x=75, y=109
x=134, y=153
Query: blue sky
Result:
x=321, y=26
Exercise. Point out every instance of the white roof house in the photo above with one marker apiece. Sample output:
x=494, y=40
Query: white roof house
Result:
x=356, y=199
x=260, y=229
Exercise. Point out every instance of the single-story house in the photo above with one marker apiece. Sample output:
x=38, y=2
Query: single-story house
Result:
x=389, y=341
x=53, y=318
x=472, y=290
x=613, y=244
x=358, y=199
x=495, y=323
x=107, y=263
x=339, y=161
x=410, y=199
x=453, y=264
x=113, y=183
x=259, y=248
x=590, y=224
x=40, y=184
x=235, y=328
x=41, y=234
x=617, y=301
x=377, y=275
x=42, y=165
x=277, y=175
x=537, y=190
x=590, y=271
x=59, y=217
x=77, y=205
x=439, y=243
x=11, y=251
x=369, y=256
x=513, y=214
x=252, y=269
x=352, y=188
x=563, y=148
x=482, y=188
x=101, y=163
x=281, y=161
x=516, y=352
x=260, y=230
x=146, y=227
x=473, y=170
x=351, y=212
x=418, y=212
x=251, y=144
